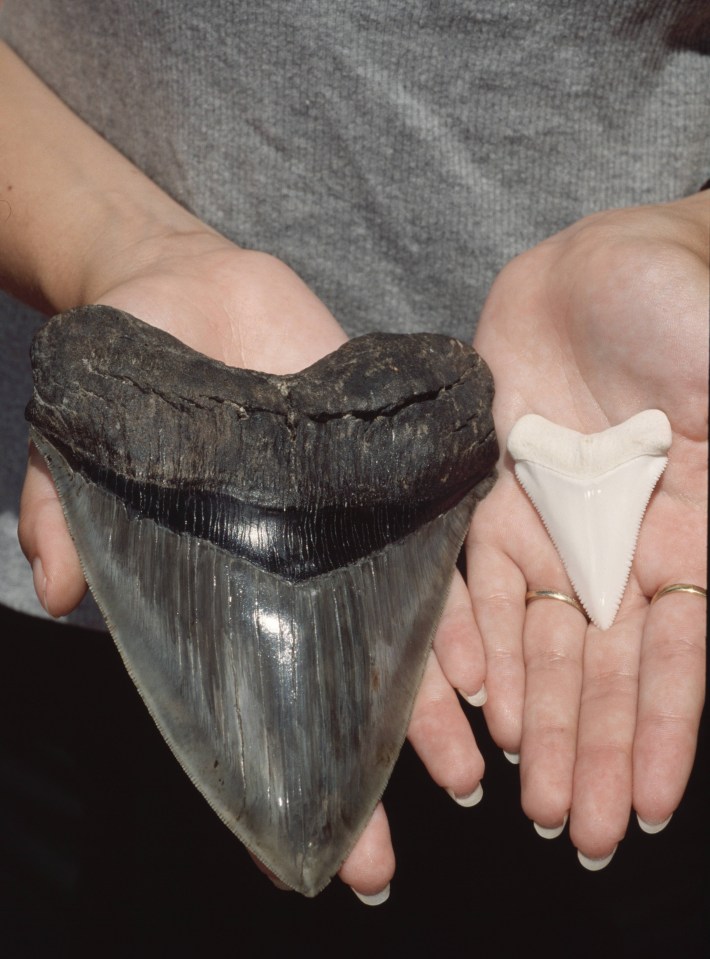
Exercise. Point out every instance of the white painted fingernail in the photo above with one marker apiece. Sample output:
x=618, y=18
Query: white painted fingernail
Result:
x=552, y=833
x=653, y=827
x=513, y=758
x=472, y=799
x=376, y=899
x=594, y=865
x=479, y=698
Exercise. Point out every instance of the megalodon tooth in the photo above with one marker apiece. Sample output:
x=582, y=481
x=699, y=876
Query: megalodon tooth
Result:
x=591, y=492
x=271, y=553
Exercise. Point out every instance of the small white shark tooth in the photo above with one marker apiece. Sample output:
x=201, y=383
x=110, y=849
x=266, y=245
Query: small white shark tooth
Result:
x=591, y=492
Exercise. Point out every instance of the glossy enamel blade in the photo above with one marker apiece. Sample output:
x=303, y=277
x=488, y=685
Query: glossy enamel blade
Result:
x=271, y=554
x=591, y=492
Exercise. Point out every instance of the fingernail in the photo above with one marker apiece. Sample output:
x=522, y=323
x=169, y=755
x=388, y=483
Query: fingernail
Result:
x=472, y=799
x=376, y=899
x=478, y=699
x=653, y=827
x=40, y=581
x=513, y=758
x=594, y=865
x=552, y=833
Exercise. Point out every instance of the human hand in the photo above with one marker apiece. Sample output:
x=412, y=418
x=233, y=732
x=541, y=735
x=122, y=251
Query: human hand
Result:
x=601, y=321
x=82, y=225
x=246, y=309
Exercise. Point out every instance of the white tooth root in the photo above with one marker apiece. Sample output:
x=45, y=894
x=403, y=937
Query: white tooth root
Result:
x=591, y=492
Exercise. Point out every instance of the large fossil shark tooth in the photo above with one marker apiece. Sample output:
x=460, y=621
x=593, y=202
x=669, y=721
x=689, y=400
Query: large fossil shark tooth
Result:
x=271, y=554
x=591, y=492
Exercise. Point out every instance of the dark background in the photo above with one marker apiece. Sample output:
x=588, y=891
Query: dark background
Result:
x=107, y=850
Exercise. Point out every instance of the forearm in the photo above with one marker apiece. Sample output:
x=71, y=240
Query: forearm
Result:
x=73, y=210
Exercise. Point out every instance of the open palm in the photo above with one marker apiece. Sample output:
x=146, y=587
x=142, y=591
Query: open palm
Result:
x=600, y=322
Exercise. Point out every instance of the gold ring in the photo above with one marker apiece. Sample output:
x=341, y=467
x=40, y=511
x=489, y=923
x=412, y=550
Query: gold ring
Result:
x=533, y=594
x=680, y=588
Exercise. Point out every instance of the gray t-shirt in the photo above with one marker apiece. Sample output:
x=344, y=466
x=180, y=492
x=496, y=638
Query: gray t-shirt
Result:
x=396, y=154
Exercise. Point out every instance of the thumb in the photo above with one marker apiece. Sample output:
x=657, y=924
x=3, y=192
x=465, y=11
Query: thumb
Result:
x=46, y=542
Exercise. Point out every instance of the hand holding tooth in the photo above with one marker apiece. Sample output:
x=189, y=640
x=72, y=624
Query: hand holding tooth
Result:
x=591, y=492
x=136, y=249
x=91, y=393
x=590, y=328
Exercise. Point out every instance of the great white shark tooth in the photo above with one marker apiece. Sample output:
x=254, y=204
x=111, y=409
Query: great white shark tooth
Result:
x=591, y=492
x=271, y=554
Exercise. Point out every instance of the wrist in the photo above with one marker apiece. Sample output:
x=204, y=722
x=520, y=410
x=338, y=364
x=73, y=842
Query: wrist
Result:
x=132, y=234
x=74, y=212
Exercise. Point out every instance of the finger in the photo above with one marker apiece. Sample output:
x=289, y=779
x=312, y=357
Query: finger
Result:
x=671, y=694
x=601, y=796
x=370, y=866
x=442, y=737
x=554, y=643
x=45, y=541
x=497, y=588
x=458, y=645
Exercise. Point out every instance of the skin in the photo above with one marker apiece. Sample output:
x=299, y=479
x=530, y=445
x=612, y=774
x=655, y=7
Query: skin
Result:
x=82, y=225
x=603, y=320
